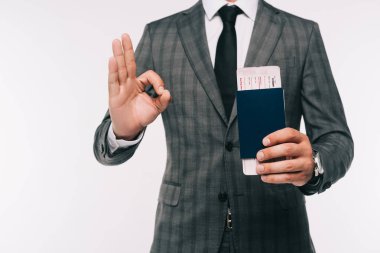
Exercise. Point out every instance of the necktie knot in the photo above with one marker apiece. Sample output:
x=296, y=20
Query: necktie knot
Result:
x=228, y=14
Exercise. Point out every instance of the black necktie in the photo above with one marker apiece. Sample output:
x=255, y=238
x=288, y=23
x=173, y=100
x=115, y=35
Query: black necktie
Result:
x=226, y=57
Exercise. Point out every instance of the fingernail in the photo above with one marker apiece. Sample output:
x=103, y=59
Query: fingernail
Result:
x=266, y=141
x=260, y=155
x=260, y=168
x=160, y=89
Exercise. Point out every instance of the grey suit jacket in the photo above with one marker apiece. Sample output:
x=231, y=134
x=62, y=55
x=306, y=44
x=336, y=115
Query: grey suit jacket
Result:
x=203, y=157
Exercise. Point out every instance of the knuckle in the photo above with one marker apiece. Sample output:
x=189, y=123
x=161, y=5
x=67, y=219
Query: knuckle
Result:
x=301, y=176
x=268, y=169
x=288, y=166
x=131, y=60
x=288, y=150
x=309, y=152
x=132, y=68
x=290, y=131
x=122, y=70
x=158, y=107
x=309, y=163
x=267, y=153
x=269, y=179
x=288, y=178
x=304, y=177
x=265, y=168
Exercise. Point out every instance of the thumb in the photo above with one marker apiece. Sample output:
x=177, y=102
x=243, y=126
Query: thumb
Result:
x=162, y=101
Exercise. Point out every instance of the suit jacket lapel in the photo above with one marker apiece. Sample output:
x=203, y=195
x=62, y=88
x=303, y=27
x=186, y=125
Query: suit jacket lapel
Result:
x=265, y=35
x=192, y=32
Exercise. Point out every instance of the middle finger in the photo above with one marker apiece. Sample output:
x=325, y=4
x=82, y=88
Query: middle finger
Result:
x=277, y=151
x=119, y=56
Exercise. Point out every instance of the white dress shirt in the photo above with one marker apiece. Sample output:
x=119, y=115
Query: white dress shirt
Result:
x=214, y=26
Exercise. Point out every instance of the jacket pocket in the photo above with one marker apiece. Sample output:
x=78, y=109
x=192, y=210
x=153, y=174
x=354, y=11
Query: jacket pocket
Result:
x=169, y=194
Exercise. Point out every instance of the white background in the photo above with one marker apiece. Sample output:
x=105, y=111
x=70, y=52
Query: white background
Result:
x=54, y=196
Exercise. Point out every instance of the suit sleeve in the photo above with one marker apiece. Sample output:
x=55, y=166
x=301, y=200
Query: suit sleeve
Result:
x=324, y=115
x=102, y=152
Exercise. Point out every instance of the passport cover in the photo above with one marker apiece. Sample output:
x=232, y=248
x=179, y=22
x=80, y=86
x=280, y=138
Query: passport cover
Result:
x=259, y=112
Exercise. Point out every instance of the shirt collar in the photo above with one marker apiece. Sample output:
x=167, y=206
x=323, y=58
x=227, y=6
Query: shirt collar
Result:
x=249, y=7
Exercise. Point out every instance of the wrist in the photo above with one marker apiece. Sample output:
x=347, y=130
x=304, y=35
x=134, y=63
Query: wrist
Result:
x=316, y=179
x=127, y=135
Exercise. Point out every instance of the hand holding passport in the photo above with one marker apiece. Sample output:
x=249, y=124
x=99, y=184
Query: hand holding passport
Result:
x=260, y=106
x=261, y=114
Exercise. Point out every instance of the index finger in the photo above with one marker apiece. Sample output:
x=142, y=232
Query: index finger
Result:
x=284, y=135
x=152, y=78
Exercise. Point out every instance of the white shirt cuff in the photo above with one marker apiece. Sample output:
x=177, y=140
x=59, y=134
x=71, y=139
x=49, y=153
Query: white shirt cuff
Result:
x=114, y=143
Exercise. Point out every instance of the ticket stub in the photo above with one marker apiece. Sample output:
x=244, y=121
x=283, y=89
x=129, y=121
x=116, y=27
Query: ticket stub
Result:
x=254, y=78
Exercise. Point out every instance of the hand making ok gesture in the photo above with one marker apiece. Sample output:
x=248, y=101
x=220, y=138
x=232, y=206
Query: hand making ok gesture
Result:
x=130, y=108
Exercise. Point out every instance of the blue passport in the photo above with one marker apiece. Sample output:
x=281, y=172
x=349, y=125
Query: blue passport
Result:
x=259, y=112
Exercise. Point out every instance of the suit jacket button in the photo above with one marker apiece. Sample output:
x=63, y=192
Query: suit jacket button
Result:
x=222, y=196
x=229, y=146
